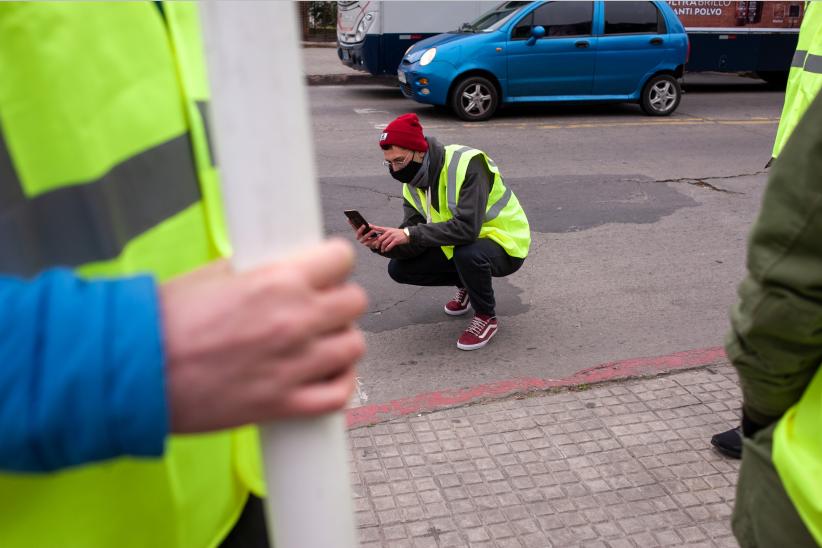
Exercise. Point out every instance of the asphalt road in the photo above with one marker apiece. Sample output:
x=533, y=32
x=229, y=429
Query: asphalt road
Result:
x=639, y=227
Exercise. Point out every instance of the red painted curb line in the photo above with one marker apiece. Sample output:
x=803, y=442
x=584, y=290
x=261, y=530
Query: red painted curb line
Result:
x=611, y=371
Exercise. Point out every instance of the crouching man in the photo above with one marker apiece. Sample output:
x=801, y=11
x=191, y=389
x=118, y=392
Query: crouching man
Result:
x=461, y=226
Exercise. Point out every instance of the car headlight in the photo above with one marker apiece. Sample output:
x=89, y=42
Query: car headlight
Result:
x=364, y=25
x=428, y=56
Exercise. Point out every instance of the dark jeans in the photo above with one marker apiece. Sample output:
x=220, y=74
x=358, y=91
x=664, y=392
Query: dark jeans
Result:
x=472, y=268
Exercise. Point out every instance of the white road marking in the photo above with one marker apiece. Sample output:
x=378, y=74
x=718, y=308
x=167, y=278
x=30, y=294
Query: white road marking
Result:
x=369, y=111
x=363, y=397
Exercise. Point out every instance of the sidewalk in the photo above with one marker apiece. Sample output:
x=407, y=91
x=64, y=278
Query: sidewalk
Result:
x=322, y=67
x=616, y=464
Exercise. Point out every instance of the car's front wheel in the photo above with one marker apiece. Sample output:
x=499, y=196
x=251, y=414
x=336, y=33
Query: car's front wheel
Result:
x=474, y=99
x=661, y=95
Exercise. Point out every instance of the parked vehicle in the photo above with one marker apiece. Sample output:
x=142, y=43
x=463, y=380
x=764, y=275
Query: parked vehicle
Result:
x=741, y=36
x=725, y=36
x=372, y=36
x=552, y=52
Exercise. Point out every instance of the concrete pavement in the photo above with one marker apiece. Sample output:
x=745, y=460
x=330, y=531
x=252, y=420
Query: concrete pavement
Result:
x=618, y=464
x=617, y=455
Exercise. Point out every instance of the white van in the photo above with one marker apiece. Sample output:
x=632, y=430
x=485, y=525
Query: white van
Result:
x=372, y=36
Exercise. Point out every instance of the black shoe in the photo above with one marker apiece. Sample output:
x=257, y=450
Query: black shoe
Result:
x=729, y=443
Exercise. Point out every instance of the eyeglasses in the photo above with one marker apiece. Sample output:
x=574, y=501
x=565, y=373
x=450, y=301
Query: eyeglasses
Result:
x=398, y=164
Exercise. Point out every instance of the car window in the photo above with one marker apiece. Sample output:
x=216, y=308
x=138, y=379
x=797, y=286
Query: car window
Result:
x=559, y=19
x=633, y=18
x=523, y=28
x=493, y=19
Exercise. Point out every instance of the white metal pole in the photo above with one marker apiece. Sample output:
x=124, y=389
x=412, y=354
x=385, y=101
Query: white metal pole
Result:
x=266, y=161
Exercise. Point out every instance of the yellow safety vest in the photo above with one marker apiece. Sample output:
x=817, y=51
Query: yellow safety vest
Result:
x=105, y=167
x=805, y=78
x=505, y=221
x=797, y=455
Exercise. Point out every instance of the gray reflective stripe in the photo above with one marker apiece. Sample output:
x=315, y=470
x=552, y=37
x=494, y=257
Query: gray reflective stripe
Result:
x=813, y=64
x=90, y=222
x=205, y=115
x=11, y=191
x=415, y=199
x=799, y=58
x=494, y=211
x=452, y=178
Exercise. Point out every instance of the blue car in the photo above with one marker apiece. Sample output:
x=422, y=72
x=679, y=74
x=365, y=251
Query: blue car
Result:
x=524, y=52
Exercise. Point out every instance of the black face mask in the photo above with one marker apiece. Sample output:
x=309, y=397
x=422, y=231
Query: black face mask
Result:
x=406, y=174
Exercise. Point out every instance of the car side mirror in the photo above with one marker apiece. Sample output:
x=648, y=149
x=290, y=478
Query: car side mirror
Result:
x=537, y=32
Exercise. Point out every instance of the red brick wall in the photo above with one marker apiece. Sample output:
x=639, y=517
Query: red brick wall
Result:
x=727, y=14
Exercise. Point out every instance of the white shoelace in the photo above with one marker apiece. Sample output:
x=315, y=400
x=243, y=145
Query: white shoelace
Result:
x=460, y=297
x=478, y=325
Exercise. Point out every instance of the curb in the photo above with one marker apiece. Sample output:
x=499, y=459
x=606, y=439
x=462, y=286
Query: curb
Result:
x=607, y=372
x=318, y=44
x=350, y=79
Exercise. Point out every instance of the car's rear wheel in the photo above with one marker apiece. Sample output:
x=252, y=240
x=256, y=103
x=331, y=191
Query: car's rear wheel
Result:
x=474, y=99
x=661, y=95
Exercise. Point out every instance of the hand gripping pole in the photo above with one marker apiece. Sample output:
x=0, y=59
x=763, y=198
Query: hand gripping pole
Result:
x=266, y=161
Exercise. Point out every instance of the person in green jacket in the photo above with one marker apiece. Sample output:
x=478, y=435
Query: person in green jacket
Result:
x=776, y=346
x=804, y=82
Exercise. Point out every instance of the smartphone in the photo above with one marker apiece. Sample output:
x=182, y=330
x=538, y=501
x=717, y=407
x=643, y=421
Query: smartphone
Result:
x=356, y=219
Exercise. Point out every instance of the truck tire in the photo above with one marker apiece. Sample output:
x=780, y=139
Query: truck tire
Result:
x=776, y=78
x=474, y=99
x=661, y=95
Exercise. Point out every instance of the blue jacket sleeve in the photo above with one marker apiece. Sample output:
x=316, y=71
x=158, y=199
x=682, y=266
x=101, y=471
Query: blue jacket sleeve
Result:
x=81, y=371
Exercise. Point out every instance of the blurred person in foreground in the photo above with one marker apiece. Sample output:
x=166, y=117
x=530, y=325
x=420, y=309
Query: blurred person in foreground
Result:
x=123, y=378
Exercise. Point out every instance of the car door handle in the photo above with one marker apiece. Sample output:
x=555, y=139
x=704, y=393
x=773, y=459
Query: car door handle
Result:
x=656, y=41
x=582, y=44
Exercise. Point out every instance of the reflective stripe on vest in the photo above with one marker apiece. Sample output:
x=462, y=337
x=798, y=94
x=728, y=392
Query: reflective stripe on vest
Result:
x=453, y=165
x=102, y=116
x=94, y=221
x=799, y=59
x=805, y=78
x=504, y=220
x=813, y=64
x=494, y=211
x=416, y=200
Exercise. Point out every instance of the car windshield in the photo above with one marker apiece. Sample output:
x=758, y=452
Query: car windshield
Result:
x=494, y=19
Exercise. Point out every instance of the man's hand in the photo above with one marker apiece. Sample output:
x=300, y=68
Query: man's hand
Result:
x=278, y=341
x=390, y=238
x=368, y=238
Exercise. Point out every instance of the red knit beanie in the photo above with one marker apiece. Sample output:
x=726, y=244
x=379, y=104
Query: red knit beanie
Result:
x=406, y=132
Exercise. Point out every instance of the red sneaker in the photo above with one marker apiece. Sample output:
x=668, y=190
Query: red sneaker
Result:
x=459, y=305
x=479, y=332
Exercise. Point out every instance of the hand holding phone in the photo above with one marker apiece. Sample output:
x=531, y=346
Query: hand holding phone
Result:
x=356, y=219
x=359, y=224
